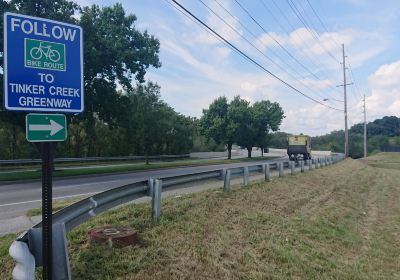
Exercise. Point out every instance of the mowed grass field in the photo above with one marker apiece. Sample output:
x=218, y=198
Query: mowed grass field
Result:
x=339, y=222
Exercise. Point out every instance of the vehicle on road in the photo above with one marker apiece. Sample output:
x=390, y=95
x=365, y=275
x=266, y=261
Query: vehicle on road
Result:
x=299, y=146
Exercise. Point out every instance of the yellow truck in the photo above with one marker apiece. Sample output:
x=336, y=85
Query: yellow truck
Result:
x=299, y=146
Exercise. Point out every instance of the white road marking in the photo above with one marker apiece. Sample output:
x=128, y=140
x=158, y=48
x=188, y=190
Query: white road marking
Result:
x=55, y=198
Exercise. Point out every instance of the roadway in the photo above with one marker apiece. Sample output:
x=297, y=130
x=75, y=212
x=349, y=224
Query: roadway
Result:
x=17, y=198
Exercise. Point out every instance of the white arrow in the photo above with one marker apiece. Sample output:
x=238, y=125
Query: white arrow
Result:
x=54, y=127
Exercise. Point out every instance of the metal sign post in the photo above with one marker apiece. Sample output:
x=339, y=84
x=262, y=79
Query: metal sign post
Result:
x=47, y=149
x=43, y=72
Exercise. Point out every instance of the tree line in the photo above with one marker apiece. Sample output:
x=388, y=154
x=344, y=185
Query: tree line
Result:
x=239, y=123
x=381, y=133
x=124, y=113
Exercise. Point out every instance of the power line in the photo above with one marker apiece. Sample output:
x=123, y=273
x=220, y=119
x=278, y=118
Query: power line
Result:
x=250, y=43
x=275, y=40
x=262, y=53
x=322, y=23
x=295, y=34
x=248, y=57
x=298, y=14
x=196, y=22
x=356, y=91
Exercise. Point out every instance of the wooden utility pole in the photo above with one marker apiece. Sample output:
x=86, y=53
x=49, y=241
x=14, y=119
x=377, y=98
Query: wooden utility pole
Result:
x=346, y=132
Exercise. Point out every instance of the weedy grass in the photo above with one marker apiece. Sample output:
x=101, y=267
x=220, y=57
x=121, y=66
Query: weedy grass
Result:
x=57, y=205
x=338, y=222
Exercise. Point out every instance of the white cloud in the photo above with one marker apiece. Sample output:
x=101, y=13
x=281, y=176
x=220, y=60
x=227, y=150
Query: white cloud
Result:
x=312, y=120
x=385, y=98
x=384, y=101
x=270, y=39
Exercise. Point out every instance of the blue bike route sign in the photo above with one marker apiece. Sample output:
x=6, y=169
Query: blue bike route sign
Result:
x=43, y=65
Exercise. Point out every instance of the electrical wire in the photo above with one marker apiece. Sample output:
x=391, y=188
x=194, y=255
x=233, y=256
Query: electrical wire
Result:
x=322, y=23
x=295, y=34
x=275, y=40
x=227, y=42
x=298, y=14
x=262, y=53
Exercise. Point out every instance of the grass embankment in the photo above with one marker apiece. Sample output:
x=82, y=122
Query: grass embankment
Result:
x=339, y=222
x=120, y=168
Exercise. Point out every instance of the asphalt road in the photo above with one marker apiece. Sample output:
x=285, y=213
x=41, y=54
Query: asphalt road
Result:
x=17, y=198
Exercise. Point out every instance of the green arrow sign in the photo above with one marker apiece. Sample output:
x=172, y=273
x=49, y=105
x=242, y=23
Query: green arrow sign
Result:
x=46, y=127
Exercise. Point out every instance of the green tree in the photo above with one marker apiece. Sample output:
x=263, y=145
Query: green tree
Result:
x=155, y=126
x=267, y=117
x=242, y=118
x=115, y=54
x=215, y=124
x=58, y=10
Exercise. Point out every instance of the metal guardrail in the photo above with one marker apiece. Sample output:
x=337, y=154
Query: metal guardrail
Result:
x=28, y=246
x=91, y=159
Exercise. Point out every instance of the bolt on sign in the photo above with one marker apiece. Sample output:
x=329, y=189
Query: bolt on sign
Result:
x=43, y=65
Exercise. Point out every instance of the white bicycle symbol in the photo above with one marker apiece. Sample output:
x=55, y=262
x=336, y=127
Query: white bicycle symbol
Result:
x=46, y=51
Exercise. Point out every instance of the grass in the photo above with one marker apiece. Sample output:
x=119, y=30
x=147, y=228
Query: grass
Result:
x=57, y=205
x=36, y=174
x=339, y=222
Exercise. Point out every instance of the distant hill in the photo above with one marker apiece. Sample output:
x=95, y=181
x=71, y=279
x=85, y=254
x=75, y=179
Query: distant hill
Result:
x=381, y=133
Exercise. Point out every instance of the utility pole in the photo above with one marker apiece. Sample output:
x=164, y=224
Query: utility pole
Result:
x=346, y=132
x=365, y=129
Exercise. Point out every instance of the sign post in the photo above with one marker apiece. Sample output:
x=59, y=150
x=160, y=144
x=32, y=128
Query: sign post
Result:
x=43, y=72
x=47, y=208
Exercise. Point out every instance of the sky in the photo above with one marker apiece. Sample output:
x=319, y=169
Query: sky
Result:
x=299, y=41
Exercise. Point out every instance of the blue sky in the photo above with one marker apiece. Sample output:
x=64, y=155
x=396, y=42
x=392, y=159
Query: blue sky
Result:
x=197, y=67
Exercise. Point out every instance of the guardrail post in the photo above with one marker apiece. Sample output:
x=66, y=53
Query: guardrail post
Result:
x=302, y=166
x=280, y=169
x=227, y=180
x=245, y=175
x=309, y=163
x=263, y=166
x=156, y=199
x=223, y=173
x=267, y=173
x=150, y=183
x=316, y=163
x=292, y=167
